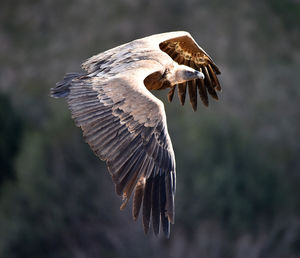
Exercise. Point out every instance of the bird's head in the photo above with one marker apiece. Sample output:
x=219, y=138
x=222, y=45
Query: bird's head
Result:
x=183, y=73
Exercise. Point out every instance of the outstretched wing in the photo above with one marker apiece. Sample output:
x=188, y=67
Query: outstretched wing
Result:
x=184, y=50
x=125, y=125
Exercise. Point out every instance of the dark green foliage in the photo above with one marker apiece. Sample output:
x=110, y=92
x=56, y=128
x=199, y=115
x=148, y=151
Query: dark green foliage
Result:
x=229, y=177
x=289, y=11
x=10, y=136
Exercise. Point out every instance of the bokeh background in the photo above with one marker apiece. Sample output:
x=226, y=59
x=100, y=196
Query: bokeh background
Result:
x=238, y=161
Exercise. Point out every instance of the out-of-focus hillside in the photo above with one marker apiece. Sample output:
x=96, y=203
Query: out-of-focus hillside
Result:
x=238, y=165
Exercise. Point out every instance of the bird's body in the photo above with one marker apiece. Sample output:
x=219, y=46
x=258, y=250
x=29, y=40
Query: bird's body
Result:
x=125, y=124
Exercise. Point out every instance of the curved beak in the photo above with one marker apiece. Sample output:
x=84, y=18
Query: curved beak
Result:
x=199, y=75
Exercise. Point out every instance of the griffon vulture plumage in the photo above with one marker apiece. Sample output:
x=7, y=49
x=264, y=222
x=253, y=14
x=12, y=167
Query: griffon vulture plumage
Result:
x=125, y=124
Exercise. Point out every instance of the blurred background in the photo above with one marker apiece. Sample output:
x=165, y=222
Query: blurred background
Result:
x=238, y=161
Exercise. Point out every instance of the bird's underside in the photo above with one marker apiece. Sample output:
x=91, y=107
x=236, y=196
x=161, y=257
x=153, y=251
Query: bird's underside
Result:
x=125, y=125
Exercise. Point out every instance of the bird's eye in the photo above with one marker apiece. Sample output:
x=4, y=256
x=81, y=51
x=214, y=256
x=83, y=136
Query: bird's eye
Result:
x=190, y=73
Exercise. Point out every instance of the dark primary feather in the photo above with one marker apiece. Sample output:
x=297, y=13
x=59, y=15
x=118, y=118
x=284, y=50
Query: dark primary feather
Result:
x=147, y=204
x=182, y=92
x=171, y=93
x=138, y=198
x=162, y=201
x=193, y=93
x=155, y=205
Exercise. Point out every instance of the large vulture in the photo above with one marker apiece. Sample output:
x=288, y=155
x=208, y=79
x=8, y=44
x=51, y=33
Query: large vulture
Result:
x=125, y=124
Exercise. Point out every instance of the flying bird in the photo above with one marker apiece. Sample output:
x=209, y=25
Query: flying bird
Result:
x=125, y=124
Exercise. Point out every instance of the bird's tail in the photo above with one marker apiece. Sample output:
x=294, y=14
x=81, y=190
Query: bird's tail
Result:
x=62, y=88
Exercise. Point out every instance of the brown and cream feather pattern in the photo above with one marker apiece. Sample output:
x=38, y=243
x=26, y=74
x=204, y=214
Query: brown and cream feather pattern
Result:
x=125, y=125
x=184, y=50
